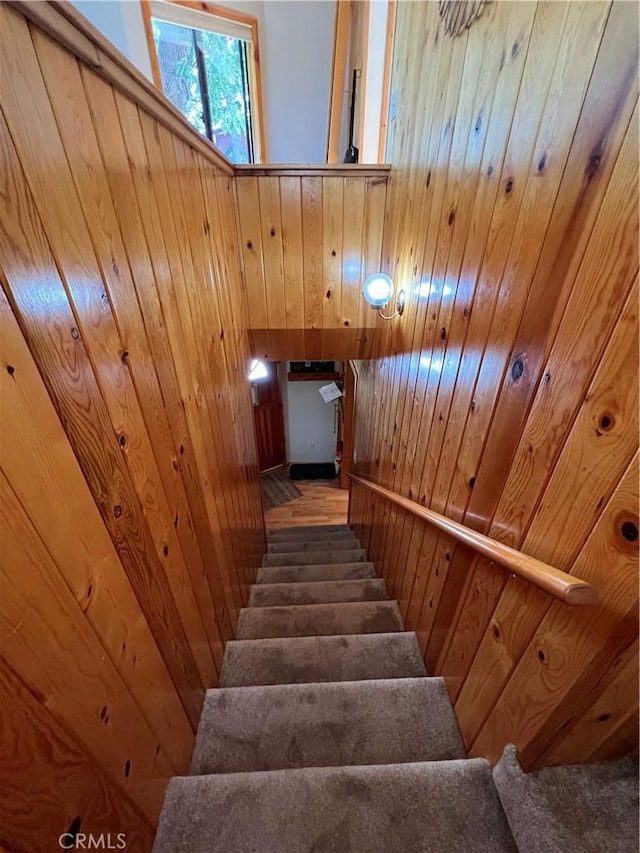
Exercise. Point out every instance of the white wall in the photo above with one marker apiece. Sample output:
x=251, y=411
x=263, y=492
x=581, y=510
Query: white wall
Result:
x=296, y=58
x=374, y=80
x=121, y=22
x=297, y=69
x=309, y=423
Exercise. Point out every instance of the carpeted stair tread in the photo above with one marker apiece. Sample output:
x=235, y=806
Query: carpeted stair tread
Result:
x=245, y=729
x=582, y=808
x=313, y=620
x=342, y=544
x=306, y=529
x=439, y=807
x=315, y=537
x=318, y=572
x=316, y=592
x=299, y=660
x=299, y=558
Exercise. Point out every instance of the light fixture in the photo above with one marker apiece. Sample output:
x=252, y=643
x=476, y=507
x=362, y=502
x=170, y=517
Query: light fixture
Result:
x=377, y=291
x=258, y=370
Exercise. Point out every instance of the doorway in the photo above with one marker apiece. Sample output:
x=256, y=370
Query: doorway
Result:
x=268, y=417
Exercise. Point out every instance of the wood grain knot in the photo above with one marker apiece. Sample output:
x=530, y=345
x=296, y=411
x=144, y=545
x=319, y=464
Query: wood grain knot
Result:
x=629, y=530
x=75, y=334
x=127, y=768
x=328, y=294
x=272, y=232
x=428, y=181
x=594, y=164
x=333, y=253
x=122, y=440
x=165, y=550
x=509, y=186
x=603, y=718
x=452, y=217
x=124, y=355
x=72, y=832
x=447, y=557
x=541, y=656
x=443, y=333
x=181, y=449
x=542, y=162
x=547, y=377
x=472, y=482
x=346, y=322
x=490, y=171
x=606, y=422
x=117, y=511
x=249, y=244
x=10, y=369
x=517, y=369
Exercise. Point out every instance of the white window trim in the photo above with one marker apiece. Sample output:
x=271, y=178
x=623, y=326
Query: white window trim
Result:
x=173, y=13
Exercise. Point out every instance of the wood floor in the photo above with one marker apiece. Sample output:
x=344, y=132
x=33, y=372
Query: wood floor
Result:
x=322, y=502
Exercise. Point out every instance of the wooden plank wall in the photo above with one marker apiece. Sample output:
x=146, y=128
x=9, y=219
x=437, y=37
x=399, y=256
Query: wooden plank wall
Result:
x=131, y=514
x=309, y=237
x=509, y=395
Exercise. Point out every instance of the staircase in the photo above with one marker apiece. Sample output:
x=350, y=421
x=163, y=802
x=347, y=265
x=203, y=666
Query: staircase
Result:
x=326, y=735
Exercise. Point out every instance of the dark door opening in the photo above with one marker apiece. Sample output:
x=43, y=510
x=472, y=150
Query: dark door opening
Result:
x=269, y=422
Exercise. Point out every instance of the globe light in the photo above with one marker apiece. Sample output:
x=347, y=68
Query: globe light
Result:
x=377, y=290
x=258, y=370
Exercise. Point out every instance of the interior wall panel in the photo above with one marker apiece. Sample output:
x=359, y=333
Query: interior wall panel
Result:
x=310, y=236
x=132, y=517
x=506, y=396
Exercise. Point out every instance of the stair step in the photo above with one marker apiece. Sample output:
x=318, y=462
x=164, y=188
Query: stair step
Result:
x=581, y=808
x=316, y=592
x=344, y=543
x=439, y=807
x=300, y=558
x=298, y=660
x=305, y=529
x=245, y=729
x=315, y=572
x=317, y=537
x=313, y=620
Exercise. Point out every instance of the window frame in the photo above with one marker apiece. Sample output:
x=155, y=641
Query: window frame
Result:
x=253, y=53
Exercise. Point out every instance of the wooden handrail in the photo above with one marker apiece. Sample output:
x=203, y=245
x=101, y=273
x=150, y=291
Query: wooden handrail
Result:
x=380, y=171
x=559, y=584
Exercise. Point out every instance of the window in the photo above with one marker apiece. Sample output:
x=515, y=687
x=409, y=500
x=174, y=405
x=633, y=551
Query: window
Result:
x=204, y=62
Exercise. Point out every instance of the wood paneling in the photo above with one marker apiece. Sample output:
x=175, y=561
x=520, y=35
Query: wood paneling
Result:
x=132, y=518
x=67, y=792
x=309, y=238
x=506, y=397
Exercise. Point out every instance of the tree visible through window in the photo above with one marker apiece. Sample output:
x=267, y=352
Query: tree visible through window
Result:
x=206, y=75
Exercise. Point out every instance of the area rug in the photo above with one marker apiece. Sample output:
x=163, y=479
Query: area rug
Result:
x=277, y=489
